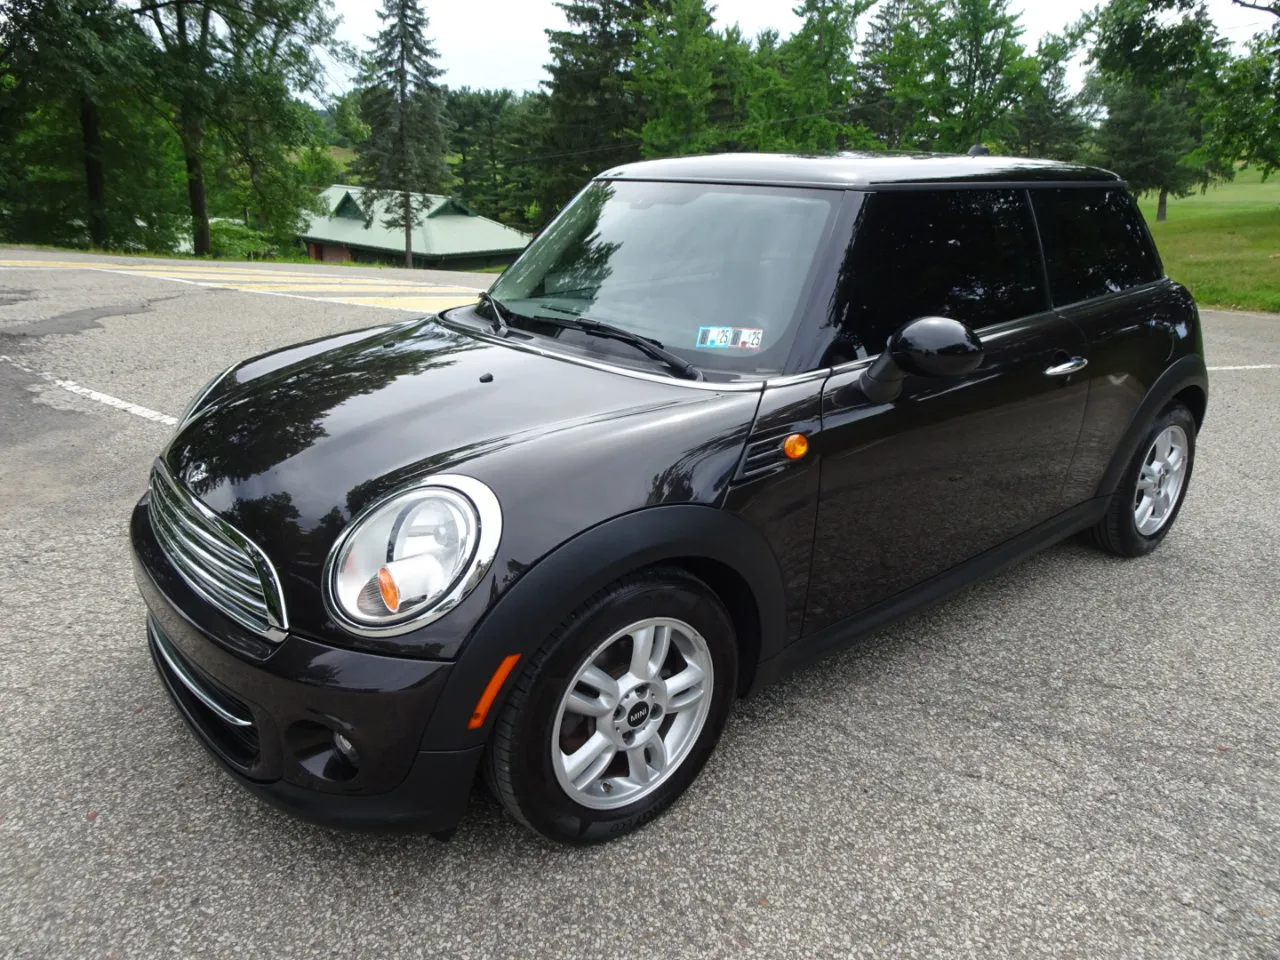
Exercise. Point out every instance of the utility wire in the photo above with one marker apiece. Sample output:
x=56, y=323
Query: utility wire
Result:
x=623, y=145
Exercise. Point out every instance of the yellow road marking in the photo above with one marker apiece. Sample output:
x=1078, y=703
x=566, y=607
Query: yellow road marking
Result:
x=338, y=287
x=394, y=292
x=239, y=274
x=408, y=303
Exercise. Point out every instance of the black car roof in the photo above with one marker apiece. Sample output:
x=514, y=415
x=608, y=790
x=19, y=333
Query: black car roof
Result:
x=859, y=170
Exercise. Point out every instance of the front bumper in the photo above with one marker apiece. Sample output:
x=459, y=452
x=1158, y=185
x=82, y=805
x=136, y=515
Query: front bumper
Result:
x=270, y=720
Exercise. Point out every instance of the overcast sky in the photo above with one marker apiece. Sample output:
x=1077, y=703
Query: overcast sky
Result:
x=500, y=43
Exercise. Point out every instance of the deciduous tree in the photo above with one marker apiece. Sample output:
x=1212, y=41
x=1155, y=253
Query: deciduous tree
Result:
x=72, y=59
x=989, y=71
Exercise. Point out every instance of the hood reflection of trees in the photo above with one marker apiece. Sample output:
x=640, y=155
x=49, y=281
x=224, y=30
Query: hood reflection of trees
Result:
x=282, y=414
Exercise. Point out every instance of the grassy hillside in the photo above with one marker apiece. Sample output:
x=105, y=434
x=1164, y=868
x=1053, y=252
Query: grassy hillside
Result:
x=1225, y=244
x=344, y=156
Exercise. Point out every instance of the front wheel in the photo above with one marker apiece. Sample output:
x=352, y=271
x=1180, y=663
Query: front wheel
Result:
x=1153, y=487
x=613, y=718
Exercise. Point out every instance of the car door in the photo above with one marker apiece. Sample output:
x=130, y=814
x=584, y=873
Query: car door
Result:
x=950, y=467
x=1106, y=277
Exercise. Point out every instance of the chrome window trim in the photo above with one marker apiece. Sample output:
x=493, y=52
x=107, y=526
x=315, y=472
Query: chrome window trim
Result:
x=272, y=594
x=488, y=511
x=730, y=386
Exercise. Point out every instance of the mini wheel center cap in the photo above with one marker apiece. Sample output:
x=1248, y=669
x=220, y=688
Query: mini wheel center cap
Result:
x=637, y=715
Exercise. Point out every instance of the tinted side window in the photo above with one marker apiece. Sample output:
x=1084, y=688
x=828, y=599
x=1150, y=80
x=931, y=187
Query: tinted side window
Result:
x=1095, y=243
x=970, y=255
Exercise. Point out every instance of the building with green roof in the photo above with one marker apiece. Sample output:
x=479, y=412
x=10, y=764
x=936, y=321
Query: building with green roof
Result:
x=450, y=235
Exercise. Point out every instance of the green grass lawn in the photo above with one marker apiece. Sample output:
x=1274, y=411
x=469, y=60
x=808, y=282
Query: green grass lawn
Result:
x=1225, y=244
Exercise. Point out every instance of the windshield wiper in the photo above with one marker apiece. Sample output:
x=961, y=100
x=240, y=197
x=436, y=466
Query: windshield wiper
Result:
x=500, y=325
x=653, y=348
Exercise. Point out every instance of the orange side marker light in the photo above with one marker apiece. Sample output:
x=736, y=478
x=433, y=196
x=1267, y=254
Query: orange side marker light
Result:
x=491, y=691
x=795, y=446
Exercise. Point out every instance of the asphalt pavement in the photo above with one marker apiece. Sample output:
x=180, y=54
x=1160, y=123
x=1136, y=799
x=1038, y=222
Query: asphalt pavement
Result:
x=1078, y=758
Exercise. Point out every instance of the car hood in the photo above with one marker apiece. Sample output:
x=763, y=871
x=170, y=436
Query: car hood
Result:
x=294, y=444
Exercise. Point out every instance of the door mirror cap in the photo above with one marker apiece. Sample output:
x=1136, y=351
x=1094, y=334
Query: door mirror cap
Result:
x=927, y=347
x=936, y=347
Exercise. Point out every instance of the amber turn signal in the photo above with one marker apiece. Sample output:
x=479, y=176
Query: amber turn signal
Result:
x=387, y=587
x=795, y=446
x=491, y=691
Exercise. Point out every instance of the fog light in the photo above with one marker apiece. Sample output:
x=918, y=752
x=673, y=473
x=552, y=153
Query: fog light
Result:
x=346, y=749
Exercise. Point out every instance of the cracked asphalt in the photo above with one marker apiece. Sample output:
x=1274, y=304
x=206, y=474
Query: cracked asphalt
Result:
x=1078, y=758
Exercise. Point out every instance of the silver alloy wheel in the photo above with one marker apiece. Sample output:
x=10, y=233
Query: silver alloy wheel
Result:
x=1160, y=481
x=632, y=713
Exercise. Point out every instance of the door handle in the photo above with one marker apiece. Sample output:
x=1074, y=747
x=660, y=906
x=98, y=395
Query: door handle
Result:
x=1074, y=365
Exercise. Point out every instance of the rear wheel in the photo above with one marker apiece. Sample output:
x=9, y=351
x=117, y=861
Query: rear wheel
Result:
x=1151, y=492
x=615, y=715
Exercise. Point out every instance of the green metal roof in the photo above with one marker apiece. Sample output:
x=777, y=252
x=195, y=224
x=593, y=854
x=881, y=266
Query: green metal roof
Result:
x=447, y=229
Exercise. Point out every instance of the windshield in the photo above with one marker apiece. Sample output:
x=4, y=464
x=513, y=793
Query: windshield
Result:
x=716, y=273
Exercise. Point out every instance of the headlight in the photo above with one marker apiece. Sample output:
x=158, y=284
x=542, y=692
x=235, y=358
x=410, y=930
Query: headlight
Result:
x=411, y=558
x=198, y=401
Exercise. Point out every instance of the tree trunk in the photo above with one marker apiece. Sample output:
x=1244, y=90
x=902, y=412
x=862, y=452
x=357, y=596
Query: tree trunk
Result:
x=407, y=202
x=255, y=178
x=94, y=175
x=192, y=145
x=1162, y=208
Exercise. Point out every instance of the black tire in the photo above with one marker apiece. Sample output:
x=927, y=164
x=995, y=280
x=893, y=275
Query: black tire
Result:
x=1117, y=532
x=518, y=765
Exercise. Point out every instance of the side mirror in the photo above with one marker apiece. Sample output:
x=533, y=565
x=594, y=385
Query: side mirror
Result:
x=928, y=347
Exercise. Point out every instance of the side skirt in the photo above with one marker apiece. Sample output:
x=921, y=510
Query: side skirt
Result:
x=809, y=649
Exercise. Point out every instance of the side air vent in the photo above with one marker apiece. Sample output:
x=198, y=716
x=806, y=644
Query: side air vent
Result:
x=764, y=456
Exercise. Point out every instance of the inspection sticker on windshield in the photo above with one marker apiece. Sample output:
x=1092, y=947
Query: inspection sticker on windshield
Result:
x=729, y=338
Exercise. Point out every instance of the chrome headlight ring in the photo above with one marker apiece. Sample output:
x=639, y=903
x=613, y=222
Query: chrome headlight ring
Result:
x=412, y=556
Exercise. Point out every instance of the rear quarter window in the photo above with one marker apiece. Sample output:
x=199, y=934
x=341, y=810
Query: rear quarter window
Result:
x=1095, y=243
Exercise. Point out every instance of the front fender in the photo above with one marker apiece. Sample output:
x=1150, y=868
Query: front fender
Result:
x=548, y=592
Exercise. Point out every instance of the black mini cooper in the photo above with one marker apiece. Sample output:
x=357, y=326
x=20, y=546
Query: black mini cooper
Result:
x=724, y=415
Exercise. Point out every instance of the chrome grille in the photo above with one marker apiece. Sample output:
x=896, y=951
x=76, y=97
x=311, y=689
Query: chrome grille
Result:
x=216, y=560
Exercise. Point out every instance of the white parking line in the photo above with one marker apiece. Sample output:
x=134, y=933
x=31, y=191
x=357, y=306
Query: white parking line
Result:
x=104, y=398
x=156, y=416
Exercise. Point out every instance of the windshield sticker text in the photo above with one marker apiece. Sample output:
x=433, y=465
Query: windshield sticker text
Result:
x=730, y=338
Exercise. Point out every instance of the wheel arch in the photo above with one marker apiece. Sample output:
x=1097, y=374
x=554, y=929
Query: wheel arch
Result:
x=740, y=601
x=1194, y=399
x=720, y=549
x=1185, y=380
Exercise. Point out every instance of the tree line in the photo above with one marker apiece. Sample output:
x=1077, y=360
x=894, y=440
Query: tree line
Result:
x=129, y=123
x=1166, y=103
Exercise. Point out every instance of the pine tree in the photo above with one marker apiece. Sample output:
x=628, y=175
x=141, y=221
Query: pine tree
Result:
x=1047, y=118
x=594, y=113
x=477, y=138
x=404, y=155
x=819, y=73
x=676, y=55
x=903, y=61
x=1151, y=141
